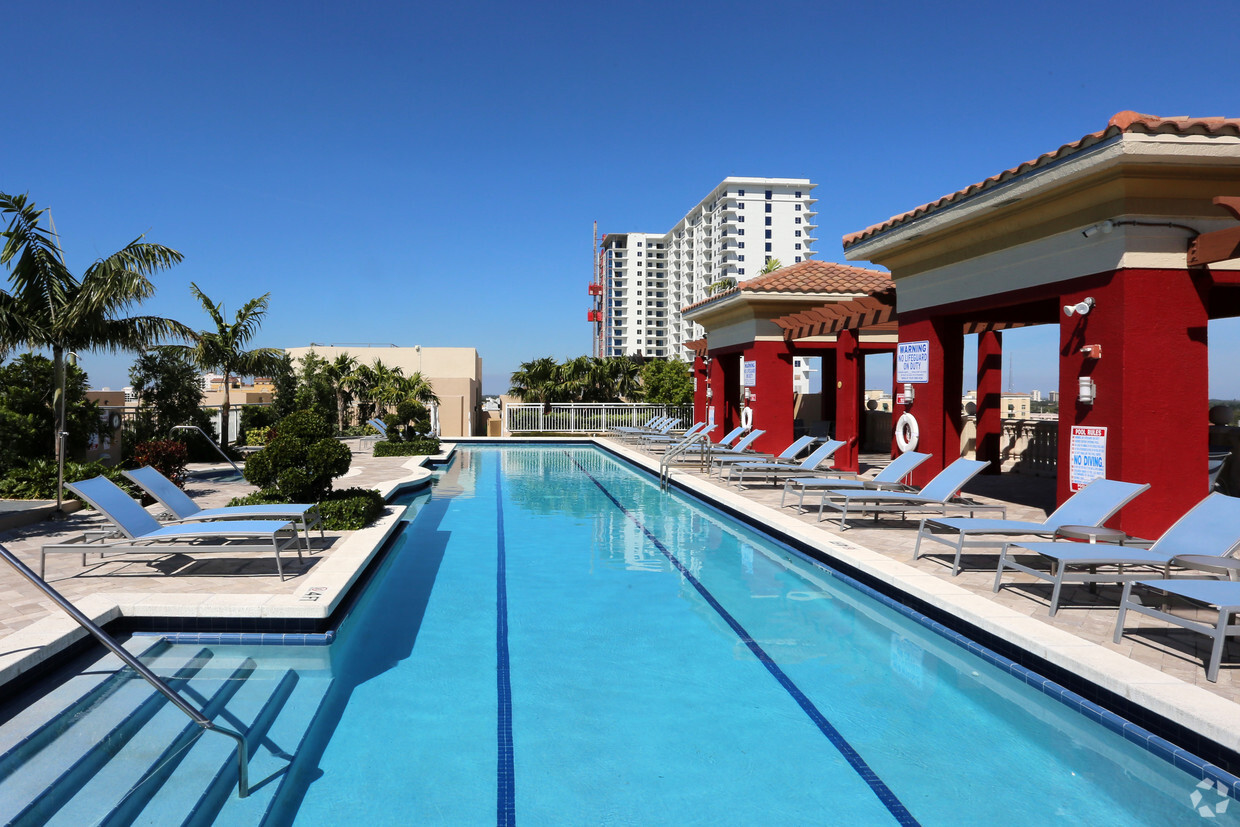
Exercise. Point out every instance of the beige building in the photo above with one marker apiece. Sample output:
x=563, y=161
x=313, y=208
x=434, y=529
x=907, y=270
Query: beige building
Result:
x=454, y=372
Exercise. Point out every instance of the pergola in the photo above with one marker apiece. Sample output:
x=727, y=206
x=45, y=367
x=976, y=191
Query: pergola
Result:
x=1122, y=240
x=755, y=329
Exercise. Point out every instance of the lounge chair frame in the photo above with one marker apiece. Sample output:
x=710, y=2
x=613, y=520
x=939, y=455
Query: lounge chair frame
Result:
x=945, y=489
x=1221, y=595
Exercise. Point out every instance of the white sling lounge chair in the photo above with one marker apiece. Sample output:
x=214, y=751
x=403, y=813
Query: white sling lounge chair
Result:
x=888, y=479
x=1206, y=537
x=774, y=471
x=721, y=448
x=144, y=535
x=185, y=510
x=667, y=435
x=788, y=455
x=1093, y=505
x=938, y=495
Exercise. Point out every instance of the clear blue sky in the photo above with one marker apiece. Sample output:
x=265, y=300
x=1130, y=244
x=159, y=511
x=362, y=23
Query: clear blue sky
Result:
x=427, y=174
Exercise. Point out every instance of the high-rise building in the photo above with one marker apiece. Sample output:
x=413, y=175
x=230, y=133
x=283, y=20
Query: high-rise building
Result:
x=642, y=280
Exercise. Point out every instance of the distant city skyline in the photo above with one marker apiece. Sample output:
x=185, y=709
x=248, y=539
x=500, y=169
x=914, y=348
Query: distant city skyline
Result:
x=385, y=188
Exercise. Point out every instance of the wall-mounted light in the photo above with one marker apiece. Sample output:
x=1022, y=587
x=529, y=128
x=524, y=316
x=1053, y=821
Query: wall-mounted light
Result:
x=908, y=394
x=1101, y=227
x=709, y=393
x=1088, y=390
x=1080, y=308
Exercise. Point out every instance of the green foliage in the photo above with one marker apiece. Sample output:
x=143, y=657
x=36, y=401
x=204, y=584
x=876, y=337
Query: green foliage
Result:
x=315, y=391
x=284, y=377
x=346, y=510
x=417, y=447
x=301, y=460
x=351, y=508
x=169, y=394
x=258, y=436
x=37, y=481
x=168, y=456
x=27, y=421
x=667, y=382
x=582, y=379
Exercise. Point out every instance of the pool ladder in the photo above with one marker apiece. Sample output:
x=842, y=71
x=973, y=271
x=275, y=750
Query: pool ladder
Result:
x=207, y=725
x=679, y=449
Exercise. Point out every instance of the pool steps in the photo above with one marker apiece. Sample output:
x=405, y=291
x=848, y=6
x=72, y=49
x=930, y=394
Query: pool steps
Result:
x=74, y=756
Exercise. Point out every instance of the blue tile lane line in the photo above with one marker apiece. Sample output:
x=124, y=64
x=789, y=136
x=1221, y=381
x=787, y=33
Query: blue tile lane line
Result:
x=884, y=793
x=506, y=804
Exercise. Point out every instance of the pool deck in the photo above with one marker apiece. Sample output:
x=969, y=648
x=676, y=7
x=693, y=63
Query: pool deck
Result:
x=1160, y=669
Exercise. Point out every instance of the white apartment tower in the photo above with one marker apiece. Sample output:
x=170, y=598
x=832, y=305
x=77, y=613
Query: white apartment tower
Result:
x=642, y=280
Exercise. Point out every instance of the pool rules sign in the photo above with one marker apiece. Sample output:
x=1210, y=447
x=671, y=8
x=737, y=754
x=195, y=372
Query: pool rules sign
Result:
x=1087, y=456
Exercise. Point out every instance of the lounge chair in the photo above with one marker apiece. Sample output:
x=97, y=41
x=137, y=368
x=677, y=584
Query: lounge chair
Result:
x=185, y=510
x=888, y=479
x=938, y=495
x=723, y=449
x=1093, y=505
x=1208, y=533
x=662, y=426
x=774, y=471
x=378, y=425
x=621, y=430
x=143, y=534
x=1222, y=595
x=789, y=454
x=664, y=440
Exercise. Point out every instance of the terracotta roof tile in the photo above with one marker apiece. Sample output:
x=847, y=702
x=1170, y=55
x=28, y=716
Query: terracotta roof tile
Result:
x=1120, y=123
x=811, y=276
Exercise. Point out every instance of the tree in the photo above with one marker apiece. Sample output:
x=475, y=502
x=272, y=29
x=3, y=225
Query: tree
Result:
x=536, y=381
x=772, y=264
x=223, y=349
x=340, y=371
x=667, y=383
x=27, y=415
x=314, y=387
x=285, y=380
x=169, y=394
x=49, y=307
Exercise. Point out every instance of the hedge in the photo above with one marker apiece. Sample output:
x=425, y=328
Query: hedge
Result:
x=424, y=447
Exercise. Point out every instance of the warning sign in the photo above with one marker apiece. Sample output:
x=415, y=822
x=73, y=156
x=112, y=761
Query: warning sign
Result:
x=1087, y=457
x=913, y=362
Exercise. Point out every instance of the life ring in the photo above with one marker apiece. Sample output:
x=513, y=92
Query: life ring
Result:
x=906, y=432
x=747, y=418
x=114, y=420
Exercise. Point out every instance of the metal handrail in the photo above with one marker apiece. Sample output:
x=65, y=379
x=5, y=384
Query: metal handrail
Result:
x=195, y=715
x=214, y=444
x=665, y=464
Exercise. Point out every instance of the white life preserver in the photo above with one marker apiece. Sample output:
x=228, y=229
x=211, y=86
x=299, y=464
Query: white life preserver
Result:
x=906, y=432
x=747, y=418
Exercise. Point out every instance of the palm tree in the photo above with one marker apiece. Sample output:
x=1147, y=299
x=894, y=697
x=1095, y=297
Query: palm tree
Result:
x=223, y=349
x=339, y=370
x=49, y=307
x=772, y=264
x=536, y=381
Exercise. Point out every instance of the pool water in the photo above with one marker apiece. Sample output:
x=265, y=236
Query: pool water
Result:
x=552, y=639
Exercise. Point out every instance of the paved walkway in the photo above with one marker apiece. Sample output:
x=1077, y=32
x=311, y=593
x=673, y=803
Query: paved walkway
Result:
x=243, y=575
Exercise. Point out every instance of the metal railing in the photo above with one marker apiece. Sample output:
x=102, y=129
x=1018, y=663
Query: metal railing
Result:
x=208, y=438
x=195, y=715
x=679, y=449
x=585, y=417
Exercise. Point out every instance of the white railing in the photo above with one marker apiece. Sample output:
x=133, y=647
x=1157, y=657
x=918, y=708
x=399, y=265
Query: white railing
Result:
x=586, y=417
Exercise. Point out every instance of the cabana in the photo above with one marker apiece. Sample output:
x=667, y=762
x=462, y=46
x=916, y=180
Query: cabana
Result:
x=1126, y=240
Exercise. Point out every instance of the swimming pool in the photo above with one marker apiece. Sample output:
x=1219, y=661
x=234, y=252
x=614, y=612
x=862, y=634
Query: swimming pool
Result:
x=555, y=640
x=552, y=639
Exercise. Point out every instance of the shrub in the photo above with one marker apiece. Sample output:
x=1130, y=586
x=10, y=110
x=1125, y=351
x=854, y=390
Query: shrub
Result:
x=37, y=481
x=417, y=447
x=301, y=460
x=258, y=436
x=168, y=456
x=346, y=510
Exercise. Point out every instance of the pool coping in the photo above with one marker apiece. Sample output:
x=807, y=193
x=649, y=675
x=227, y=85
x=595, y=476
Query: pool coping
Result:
x=1191, y=707
x=327, y=586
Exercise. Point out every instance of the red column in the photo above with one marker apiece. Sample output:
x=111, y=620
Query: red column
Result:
x=772, y=397
x=1152, y=387
x=718, y=391
x=849, y=391
x=700, y=375
x=990, y=398
x=936, y=405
